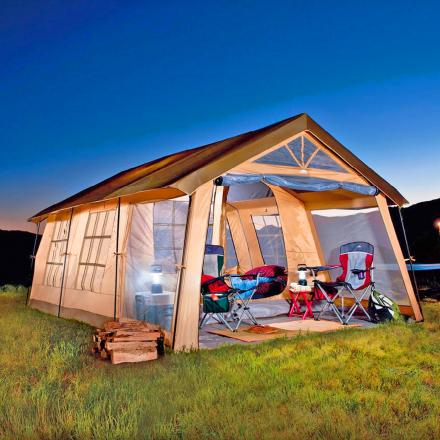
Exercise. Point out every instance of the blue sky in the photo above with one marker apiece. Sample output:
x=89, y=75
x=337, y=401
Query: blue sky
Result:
x=91, y=88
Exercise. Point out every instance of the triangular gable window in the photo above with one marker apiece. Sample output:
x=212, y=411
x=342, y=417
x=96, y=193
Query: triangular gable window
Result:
x=301, y=153
x=278, y=157
x=324, y=162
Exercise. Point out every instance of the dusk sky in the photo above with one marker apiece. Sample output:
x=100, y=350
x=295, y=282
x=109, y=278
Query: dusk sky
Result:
x=90, y=88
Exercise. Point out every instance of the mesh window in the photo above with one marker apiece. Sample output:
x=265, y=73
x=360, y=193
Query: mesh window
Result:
x=169, y=222
x=55, y=259
x=324, y=162
x=278, y=157
x=95, y=250
x=270, y=239
x=301, y=152
x=231, y=255
x=308, y=150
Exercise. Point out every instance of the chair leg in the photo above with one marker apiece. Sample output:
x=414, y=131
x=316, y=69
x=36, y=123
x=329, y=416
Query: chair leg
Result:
x=225, y=322
x=330, y=303
x=203, y=320
x=309, y=310
x=358, y=304
x=244, y=310
x=294, y=307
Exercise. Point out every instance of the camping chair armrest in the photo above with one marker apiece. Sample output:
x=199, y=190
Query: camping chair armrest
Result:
x=358, y=271
x=316, y=269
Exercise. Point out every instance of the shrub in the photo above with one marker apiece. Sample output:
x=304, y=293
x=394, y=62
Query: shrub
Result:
x=10, y=288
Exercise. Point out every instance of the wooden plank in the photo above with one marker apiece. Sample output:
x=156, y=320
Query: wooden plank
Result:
x=119, y=357
x=386, y=217
x=112, y=325
x=132, y=345
x=136, y=336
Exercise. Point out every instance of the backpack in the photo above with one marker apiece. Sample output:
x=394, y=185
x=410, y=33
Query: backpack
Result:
x=381, y=308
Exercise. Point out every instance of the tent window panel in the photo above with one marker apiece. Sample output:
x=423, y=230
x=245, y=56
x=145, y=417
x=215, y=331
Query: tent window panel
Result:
x=308, y=149
x=231, y=254
x=55, y=258
x=303, y=151
x=278, y=157
x=169, y=224
x=324, y=162
x=270, y=239
x=296, y=148
x=163, y=236
x=95, y=250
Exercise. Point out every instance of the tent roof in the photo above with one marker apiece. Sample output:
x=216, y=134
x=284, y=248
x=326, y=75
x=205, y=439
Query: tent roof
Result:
x=208, y=162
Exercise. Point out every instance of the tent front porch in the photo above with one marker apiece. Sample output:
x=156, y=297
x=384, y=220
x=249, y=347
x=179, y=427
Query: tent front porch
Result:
x=213, y=335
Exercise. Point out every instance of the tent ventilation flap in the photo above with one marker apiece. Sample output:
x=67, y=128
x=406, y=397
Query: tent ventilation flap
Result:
x=300, y=183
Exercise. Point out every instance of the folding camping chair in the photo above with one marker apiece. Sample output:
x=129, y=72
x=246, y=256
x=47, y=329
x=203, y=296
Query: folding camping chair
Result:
x=356, y=262
x=232, y=305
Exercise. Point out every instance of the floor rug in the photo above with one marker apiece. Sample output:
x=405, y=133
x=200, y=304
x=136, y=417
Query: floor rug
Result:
x=244, y=335
x=310, y=325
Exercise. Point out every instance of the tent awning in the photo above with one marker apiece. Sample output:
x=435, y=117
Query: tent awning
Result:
x=299, y=183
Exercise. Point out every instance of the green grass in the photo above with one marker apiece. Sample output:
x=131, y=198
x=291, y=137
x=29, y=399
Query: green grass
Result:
x=351, y=384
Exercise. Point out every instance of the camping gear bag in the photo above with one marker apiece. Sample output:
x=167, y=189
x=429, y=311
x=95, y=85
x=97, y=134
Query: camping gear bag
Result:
x=382, y=309
x=216, y=303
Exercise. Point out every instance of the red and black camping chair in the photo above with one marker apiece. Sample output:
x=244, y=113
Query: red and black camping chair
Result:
x=356, y=280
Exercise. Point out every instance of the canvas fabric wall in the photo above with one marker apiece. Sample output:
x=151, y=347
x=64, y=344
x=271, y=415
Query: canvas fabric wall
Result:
x=89, y=272
x=300, y=242
x=363, y=225
x=156, y=239
x=46, y=285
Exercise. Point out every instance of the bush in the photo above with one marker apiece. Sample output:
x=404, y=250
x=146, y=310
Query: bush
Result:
x=9, y=288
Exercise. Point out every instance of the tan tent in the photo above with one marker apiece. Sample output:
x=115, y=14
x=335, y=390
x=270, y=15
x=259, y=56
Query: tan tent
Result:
x=261, y=195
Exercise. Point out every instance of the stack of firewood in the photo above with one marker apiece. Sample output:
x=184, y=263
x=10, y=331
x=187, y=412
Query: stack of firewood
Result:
x=128, y=341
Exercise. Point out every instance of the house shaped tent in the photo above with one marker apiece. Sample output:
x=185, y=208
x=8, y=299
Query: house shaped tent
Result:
x=106, y=250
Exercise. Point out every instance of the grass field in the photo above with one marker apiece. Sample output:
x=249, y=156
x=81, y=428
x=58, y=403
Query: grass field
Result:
x=351, y=384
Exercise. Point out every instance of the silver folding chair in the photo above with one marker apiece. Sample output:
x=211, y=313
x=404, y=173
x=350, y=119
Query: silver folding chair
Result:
x=356, y=280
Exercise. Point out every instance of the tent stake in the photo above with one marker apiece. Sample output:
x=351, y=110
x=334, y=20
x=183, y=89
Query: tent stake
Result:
x=410, y=259
x=33, y=262
x=117, y=258
x=64, y=263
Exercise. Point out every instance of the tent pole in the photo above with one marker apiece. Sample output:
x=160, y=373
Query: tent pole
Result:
x=176, y=308
x=117, y=258
x=410, y=259
x=64, y=263
x=33, y=261
x=382, y=204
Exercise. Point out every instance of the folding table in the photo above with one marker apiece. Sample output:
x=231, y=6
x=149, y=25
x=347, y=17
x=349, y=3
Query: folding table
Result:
x=297, y=291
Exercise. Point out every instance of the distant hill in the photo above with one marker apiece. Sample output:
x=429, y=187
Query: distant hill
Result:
x=16, y=248
x=423, y=237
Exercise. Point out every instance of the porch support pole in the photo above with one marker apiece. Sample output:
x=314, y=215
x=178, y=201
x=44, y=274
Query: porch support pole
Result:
x=409, y=258
x=118, y=218
x=217, y=215
x=64, y=263
x=187, y=304
x=386, y=217
x=32, y=257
